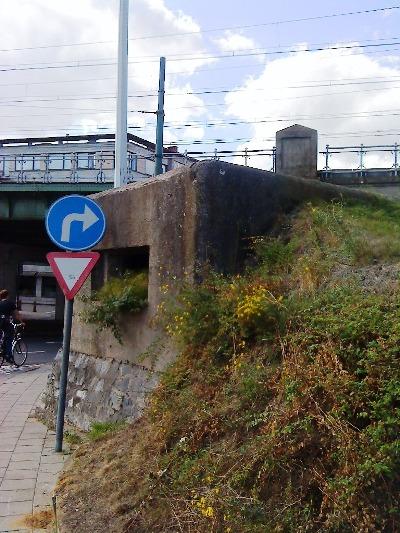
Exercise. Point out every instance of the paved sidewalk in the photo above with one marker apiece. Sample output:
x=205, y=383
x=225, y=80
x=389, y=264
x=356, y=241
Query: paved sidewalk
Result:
x=29, y=467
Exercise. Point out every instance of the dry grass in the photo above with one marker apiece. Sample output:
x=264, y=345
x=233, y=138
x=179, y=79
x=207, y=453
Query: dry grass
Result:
x=42, y=519
x=285, y=421
x=102, y=490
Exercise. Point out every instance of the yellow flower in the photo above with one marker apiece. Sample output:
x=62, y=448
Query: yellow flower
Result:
x=208, y=511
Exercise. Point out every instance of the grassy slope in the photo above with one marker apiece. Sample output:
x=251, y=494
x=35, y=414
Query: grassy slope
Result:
x=282, y=411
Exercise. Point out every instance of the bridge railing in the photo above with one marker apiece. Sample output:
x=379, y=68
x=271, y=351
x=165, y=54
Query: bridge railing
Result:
x=241, y=156
x=361, y=152
x=77, y=167
x=98, y=167
x=360, y=169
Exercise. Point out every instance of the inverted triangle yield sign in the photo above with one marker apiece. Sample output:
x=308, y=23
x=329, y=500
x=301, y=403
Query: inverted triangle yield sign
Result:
x=72, y=269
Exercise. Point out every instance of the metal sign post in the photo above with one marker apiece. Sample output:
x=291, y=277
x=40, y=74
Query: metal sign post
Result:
x=72, y=223
x=69, y=307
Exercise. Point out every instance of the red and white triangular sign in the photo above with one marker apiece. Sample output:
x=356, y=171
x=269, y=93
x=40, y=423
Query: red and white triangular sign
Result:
x=71, y=269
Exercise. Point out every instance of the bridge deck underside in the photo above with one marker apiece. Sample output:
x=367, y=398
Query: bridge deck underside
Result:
x=31, y=201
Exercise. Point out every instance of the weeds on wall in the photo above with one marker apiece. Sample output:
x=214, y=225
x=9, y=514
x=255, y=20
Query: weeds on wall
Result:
x=105, y=308
x=282, y=412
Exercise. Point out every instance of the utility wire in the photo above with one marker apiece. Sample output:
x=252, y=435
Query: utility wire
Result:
x=205, y=91
x=108, y=78
x=210, y=30
x=205, y=106
x=225, y=90
x=27, y=105
x=288, y=118
x=230, y=52
x=104, y=129
x=203, y=57
x=180, y=126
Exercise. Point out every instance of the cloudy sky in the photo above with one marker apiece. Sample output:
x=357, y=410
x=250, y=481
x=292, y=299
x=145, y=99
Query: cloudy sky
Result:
x=236, y=71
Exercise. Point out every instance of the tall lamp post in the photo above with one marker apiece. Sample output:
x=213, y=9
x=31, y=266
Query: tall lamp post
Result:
x=121, y=135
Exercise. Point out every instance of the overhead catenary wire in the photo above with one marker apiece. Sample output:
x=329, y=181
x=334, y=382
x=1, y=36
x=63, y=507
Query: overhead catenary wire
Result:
x=210, y=30
x=98, y=98
x=138, y=129
x=205, y=106
x=202, y=57
x=371, y=133
x=172, y=73
x=22, y=101
x=221, y=90
x=212, y=124
x=229, y=52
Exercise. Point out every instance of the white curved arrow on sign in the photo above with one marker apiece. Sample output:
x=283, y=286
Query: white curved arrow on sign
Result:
x=88, y=218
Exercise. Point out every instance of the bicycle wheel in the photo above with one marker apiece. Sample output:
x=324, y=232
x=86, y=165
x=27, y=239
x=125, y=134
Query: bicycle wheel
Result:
x=2, y=357
x=20, y=352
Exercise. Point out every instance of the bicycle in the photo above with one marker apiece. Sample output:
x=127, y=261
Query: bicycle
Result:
x=19, y=347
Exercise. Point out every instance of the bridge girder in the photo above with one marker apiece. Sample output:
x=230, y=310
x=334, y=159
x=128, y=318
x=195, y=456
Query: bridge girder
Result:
x=31, y=201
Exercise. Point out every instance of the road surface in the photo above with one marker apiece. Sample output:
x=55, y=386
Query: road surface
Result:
x=42, y=351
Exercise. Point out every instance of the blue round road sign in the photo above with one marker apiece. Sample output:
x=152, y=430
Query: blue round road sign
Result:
x=75, y=223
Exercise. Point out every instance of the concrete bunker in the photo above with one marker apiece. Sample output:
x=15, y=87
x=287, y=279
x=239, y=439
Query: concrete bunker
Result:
x=171, y=224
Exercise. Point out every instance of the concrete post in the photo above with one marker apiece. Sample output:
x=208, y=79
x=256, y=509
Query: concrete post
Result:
x=297, y=151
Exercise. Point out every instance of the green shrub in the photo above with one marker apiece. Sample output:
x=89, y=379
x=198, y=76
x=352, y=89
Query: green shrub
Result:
x=127, y=294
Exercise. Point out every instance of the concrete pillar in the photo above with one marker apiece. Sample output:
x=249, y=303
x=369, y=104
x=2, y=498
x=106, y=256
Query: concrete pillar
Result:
x=39, y=286
x=297, y=151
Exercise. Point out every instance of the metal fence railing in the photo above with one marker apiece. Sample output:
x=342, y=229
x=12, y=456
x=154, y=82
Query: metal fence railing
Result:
x=361, y=151
x=97, y=167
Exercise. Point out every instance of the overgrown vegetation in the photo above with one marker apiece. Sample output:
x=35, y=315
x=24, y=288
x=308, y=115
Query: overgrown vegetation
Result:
x=99, y=430
x=282, y=412
x=127, y=294
x=72, y=438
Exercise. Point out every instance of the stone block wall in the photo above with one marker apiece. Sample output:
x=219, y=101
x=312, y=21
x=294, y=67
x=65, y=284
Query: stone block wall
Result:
x=99, y=389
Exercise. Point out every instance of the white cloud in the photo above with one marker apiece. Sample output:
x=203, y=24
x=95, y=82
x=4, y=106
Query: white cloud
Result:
x=31, y=101
x=233, y=41
x=276, y=96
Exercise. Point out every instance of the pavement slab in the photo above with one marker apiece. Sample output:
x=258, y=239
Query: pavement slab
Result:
x=7, y=496
x=29, y=467
x=21, y=474
x=23, y=465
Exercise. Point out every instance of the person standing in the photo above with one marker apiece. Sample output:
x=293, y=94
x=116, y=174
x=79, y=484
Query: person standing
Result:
x=8, y=311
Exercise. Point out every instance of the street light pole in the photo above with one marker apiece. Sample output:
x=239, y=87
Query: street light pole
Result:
x=121, y=135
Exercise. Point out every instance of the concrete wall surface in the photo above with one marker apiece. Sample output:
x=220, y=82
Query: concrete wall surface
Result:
x=297, y=151
x=185, y=218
